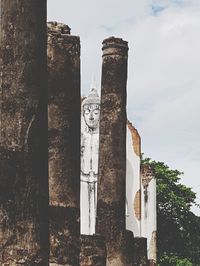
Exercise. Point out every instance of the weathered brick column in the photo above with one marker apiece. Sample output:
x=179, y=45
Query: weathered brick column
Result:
x=23, y=134
x=64, y=144
x=112, y=153
x=130, y=242
x=140, y=251
x=93, y=250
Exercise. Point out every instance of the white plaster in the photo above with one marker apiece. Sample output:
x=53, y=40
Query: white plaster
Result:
x=132, y=185
x=149, y=219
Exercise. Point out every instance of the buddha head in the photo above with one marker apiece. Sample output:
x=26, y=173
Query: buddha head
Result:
x=91, y=110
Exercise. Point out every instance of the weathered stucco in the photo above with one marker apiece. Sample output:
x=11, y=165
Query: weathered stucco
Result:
x=136, y=141
x=137, y=205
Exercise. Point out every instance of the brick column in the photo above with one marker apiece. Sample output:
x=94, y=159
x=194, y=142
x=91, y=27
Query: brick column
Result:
x=140, y=251
x=93, y=250
x=64, y=144
x=23, y=134
x=112, y=153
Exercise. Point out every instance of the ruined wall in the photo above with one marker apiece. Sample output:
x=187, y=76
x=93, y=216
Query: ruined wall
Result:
x=141, y=196
x=23, y=134
x=148, y=221
x=64, y=144
x=133, y=181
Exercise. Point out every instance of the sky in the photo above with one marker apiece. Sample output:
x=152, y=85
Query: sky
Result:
x=163, y=86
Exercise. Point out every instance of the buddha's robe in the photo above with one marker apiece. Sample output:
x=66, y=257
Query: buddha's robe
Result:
x=89, y=174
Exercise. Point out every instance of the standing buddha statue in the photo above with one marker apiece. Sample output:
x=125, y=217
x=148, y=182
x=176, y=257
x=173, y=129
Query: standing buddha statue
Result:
x=89, y=161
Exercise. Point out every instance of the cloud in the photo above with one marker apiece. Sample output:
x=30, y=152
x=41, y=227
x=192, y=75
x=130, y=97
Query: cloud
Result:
x=95, y=21
x=157, y=8
x=164, y=88
x=163, y=78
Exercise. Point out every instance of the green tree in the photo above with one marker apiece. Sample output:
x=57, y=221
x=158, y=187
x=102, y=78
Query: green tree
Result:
x=178, y=228
x=171, y=259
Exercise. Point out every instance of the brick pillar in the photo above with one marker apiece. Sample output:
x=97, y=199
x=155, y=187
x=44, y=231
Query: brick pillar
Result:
x=64, y=144
x=130, y=242
x=23, y=134
x=112, y=153
x=152, y=263
x=93, y=250
x=140, y=251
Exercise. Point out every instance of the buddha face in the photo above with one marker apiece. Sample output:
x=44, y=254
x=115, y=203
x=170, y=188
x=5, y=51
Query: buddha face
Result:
x=91, y=114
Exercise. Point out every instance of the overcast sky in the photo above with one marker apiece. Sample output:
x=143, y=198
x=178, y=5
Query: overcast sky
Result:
x=164, y=70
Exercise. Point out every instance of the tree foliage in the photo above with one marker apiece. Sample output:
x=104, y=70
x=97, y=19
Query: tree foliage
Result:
x=177, y=226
